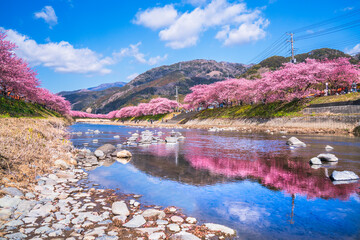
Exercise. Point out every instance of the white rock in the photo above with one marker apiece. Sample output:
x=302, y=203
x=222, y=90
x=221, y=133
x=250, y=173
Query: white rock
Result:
x=172, y=209
x=328, y=157
x=161, y=222
x=9, y=202
x=328, y=148
x=184, y=236
x=343, y=176
x=157, y=235
x=293, y=141
x=148, y=213
x=191, y=220
x=221, y=228
x=315, y=161
x=124, y=154
x=177, y=219
x=135, y=222
x=120, y=208
x=173, y=227
x=61, y=164
x=120, y=218
x=99, y=153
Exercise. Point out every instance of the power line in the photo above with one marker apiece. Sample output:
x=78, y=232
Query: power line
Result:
x=328, y=21
x=342, y=27
x=280, y=44
x=270, y=48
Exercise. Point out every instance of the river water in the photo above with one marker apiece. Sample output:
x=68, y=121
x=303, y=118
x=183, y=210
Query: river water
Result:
x=253, y=183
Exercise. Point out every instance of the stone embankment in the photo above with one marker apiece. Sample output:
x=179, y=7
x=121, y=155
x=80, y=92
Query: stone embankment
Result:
x=65, y=205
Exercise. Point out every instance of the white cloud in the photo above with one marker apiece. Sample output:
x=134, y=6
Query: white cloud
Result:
x=48, y=14
x=62, y=56
x=132, y=76
x=133, y=51
x=354, y=50
x=347, y=9
x=157, y=17
x=196, y=2
x=238, y=24
x=246, y=32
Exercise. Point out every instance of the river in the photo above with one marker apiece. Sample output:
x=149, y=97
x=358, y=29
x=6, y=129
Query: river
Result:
x=253, y=183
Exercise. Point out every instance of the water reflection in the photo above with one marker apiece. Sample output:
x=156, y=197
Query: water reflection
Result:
x=210, y=162
x=253, y=183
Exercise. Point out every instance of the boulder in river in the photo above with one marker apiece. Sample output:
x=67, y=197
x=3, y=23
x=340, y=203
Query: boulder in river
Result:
x=315, y=161
x=293, y=141
x=107, y=148
x=343, y=176
x=124, y=154
x=328, y=157
x=328, y=148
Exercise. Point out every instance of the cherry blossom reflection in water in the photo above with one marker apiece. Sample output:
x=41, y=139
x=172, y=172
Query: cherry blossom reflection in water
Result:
x=253, y=183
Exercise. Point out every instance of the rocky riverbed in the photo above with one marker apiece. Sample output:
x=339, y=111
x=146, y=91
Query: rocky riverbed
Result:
x=65, y=205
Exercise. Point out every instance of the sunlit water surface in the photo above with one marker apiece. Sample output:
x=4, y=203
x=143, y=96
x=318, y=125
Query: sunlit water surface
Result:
x=253, y=183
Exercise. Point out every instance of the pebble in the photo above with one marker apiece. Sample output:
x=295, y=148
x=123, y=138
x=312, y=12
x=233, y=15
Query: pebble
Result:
x=173, y=227
x=177, y=219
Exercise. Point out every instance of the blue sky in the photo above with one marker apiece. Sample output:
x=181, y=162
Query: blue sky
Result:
x=75, y=44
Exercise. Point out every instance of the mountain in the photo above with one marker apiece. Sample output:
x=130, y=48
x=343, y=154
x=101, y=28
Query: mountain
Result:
x=105, y=86
x=162, y=81
x=274, y=62
x=81, y=99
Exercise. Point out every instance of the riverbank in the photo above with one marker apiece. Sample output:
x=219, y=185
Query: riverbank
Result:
x=321, y=124
x=45, y=194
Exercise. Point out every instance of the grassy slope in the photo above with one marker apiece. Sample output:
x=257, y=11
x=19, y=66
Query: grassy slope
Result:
x=19, y=108
x=270, y=110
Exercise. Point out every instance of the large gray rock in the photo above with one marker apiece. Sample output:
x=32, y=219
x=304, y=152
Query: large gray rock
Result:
x=343, y=176
x=120, y=208
x=107, y=148
x=13, y=191
x=184, y=236
x=124, y=154
x=221, y=228
x=135, y=222
x=293, y=141
x=328, y=157
x=315, y=161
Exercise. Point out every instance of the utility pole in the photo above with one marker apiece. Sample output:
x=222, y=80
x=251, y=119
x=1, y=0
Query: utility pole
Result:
x=180, y=67
x=293, y=60
x=177, y=96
